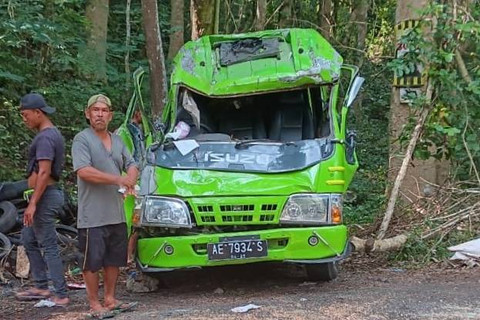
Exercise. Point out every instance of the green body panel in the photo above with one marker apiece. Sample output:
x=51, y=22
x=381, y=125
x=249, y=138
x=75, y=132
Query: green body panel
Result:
x=305, y=58
x=283, y=244
x=236, y=200
x=319, y=178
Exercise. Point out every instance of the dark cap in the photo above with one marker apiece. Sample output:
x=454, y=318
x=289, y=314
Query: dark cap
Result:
x=35, y=101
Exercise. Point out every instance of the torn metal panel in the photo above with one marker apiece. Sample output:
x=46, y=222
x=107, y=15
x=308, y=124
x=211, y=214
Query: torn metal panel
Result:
x=188, y=60
x=248, y=50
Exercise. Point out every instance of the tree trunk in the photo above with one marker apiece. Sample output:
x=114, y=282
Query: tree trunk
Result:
x=325, y=18
x=95, y=56
x=285, y=20
x=48, y=12
x=418, y=170
x=372, y=245
x=156, y=59
x=260, y=15
x=202, y=15
x=176, y=28
x=216, y=24
x=359, y=18
x=127, y=47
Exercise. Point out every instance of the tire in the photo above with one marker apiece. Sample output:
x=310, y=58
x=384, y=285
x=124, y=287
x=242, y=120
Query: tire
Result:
x=12, y=190
x=15, y=238
x=5, y=245
x=19, y=203
x=8, y=216
x=66, y=235
x=68, y=213
x=322, y=272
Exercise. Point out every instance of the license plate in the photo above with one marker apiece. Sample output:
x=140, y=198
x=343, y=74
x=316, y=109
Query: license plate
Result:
x=237, y=248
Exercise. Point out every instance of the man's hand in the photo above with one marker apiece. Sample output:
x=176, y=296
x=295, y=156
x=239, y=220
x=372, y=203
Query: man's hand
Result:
x=127, y=181
x=28, y=215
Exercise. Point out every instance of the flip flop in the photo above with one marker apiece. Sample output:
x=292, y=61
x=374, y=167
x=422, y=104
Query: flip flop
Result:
x=124, y=306
x=94, y=315
x=29, y=295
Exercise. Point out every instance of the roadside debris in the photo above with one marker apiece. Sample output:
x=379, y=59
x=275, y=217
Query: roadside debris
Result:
x=45, y=303
x=246, y=308
x=22, y=263
x=219, y=291
x=468, y=252
x=141, y=283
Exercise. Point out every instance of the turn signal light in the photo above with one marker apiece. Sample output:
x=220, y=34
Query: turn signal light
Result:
x=136, y=218
x=336, y=214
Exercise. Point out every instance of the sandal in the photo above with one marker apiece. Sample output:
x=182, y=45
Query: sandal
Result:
x=124, y=306
x=104, y=314
x=31, y=294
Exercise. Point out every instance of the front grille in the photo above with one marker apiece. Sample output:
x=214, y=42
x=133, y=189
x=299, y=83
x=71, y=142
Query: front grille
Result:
x=267, y=217
x=237, y=207
x=242, y=218
x=237, y=211
x=205, y=208
x=269, y=207
x=208, y=218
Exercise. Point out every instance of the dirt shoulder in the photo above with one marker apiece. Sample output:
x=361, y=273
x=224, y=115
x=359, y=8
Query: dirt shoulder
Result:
x=282, y=293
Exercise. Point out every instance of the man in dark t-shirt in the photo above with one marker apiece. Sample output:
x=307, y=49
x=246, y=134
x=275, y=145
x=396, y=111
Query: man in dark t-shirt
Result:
x=46, y=157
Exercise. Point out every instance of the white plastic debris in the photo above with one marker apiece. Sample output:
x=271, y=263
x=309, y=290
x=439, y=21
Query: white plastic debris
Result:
x=45, y=303
x=186, y=146
x=467, y=251
x=181, y=130
x=246, y=308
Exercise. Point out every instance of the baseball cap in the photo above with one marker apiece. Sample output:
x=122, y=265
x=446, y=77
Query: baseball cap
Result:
x=99, y=98
x=35, y=101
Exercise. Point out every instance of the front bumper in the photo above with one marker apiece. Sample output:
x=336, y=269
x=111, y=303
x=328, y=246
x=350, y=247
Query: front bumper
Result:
x=284, y=245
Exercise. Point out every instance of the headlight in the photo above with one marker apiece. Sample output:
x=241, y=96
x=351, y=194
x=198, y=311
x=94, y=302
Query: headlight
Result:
x=165, y=212
x=312, y=209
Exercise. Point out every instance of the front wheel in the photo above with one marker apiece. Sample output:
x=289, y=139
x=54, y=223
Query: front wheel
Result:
x=322, y=272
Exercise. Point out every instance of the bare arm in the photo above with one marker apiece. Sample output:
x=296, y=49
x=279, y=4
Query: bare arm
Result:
x=93, y=175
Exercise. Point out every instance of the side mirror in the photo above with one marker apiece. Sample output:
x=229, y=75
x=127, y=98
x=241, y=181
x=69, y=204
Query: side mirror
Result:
x=354, y=90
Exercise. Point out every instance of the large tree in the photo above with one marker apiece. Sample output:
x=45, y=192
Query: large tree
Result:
x=286, y=12
x=260, y=15
x=325, y=18
x=95, y=55
x=202, y=15
x=156, y=59
x=410, y=177
x=176, y=28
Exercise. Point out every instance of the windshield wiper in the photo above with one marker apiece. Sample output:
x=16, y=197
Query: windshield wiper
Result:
x=246, y=143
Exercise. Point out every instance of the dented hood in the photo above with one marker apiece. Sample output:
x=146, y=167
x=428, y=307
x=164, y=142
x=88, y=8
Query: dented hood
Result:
x=236, y=169
x=256, y=62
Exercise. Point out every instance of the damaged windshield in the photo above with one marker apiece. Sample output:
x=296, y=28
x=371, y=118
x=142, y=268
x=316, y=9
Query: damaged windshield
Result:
x=285, y=116
x=272, y=132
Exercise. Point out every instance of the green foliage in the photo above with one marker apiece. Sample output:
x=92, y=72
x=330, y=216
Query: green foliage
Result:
x=451, y=131
x=370, y=120
x=417, y=252
x=40, y=45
